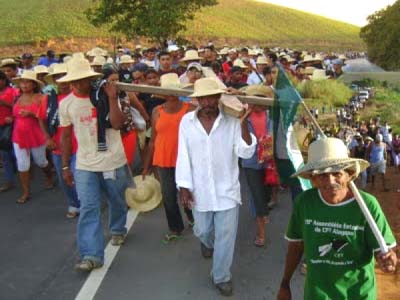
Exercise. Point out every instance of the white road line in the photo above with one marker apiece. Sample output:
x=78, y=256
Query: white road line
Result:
x=93, y=282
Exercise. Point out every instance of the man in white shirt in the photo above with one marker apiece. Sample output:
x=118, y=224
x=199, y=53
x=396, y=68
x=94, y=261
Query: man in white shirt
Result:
x=207, y=174
x=257, y=76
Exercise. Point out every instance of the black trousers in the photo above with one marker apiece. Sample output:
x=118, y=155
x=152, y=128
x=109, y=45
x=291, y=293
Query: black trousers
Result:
x=170, y=199
x=260, y=192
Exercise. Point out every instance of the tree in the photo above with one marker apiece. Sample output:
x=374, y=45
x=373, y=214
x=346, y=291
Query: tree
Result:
x=157, y=20
x=382, y=36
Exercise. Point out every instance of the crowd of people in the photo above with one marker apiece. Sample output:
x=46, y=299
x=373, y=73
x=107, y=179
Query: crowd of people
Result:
x=68, y=117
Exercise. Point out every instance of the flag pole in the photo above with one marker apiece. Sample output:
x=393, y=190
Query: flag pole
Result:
x=364, y=209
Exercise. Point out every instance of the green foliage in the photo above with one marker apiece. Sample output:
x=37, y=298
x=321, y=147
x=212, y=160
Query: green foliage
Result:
x=382, y=36
x=325, y=92
x=158, y=20
x=386, y=103
x=237, y=22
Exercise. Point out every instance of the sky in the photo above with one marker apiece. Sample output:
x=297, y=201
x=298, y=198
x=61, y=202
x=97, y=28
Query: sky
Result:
x=349, y=11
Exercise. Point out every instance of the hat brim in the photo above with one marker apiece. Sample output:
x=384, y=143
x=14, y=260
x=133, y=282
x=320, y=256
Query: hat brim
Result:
x=83, y=75
x=190, y=58
x=149, y=204
x=18, y=79
x=330, y=165
x=206, y=93
x=49, y=77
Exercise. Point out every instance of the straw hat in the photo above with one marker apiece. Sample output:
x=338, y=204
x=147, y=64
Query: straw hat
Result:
x=223, y=51
x=261, y=60
x=170, y=80
x=239, y=63
x=308, y=58
x=78, y=69
x=191, y=55
x=318, y=57
x=126, y=59
x=258, y=90
x=146, y=196
x=56, y=70
x=8, y=62
x=206, y=87
x=98, y=61
x=41, y=69
x=28, y=75
x=328, y=155
x=318, y=74
x=67, y=59
x=97, y=51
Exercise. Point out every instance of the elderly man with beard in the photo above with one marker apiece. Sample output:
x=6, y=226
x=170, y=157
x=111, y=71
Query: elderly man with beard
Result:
x=207, y=174
x=327, y=225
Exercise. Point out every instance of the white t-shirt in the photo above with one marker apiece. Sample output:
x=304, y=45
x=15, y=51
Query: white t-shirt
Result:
x=80, y=113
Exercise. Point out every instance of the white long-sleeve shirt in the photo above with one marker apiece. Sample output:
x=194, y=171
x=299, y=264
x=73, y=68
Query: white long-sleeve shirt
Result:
x=207, y=165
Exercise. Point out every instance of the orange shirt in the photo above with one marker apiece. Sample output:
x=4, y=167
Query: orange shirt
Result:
x=166, y=142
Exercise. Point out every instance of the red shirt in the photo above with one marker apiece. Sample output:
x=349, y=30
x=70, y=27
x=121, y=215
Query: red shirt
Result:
x=42, y=114
x=259, y=122
x=7, y=95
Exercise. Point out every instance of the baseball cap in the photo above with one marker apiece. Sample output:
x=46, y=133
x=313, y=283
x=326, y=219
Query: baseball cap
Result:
x=27, y=56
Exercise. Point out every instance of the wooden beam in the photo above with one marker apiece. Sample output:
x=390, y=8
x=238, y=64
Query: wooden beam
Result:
x=140, y=88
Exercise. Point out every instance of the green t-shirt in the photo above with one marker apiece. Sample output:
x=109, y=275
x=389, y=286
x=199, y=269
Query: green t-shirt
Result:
x=338, y=246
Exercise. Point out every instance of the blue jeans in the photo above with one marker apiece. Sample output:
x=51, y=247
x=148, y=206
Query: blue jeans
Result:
x=69, y=192
x=8, y=165
x=89, y=186
x=217, y=229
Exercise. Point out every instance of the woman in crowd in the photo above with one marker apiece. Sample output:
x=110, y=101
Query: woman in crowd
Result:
x=255, y=167
x=162, y=153
x=7, y=95
x=28, y=137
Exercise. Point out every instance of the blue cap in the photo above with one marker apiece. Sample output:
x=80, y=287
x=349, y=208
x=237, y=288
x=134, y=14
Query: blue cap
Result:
x=141, y=67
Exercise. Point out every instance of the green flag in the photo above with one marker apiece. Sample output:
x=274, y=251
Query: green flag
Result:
x=287, y=153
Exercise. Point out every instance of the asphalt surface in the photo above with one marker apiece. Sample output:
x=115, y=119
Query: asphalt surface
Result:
x=38, y=252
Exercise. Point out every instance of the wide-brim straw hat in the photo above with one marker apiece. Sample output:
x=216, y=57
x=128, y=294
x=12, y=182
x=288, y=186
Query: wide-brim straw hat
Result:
x=191, y=55
x=97, y=51
x=261, y=60
x=239, y=63
x=258, y=90
x=328, y=155
x=40, y=69
x=28, y=75
x=98, y=61
x=309, y=58
x=56, y=70
x=206, y=87
x=126, y=59
x=78, y=69
x=170, y=80
x=319, y=74
x=8, y=62
x=146, y=196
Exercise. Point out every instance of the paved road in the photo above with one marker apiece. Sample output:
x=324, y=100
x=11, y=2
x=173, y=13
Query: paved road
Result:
x=361, y=65
x=38, y=252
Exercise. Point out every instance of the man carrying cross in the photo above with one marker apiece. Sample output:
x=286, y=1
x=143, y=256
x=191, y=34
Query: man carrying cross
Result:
x=207, y=174
x=328, y=226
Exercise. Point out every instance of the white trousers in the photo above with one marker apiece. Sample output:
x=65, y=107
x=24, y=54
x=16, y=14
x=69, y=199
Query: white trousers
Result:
x=24, y=157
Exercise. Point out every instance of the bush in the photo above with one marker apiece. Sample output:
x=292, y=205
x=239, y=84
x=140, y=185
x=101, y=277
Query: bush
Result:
x=326, y=92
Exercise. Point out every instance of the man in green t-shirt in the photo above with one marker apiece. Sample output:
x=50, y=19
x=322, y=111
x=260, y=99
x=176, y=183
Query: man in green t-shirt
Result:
x=328, y=226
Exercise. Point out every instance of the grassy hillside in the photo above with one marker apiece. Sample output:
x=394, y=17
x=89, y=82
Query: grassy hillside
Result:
x=240, y=21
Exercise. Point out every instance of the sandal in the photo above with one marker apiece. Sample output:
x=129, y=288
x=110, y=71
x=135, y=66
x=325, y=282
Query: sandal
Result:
x=6, y=188
x=23, y=199
x=259, y=242
x=171, y=237
x=87, y=265
x=72, y=214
